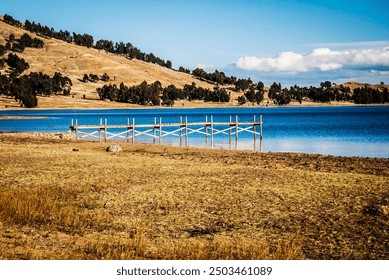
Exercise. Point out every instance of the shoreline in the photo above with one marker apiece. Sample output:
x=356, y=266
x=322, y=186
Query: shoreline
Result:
x=210, y=106
x=22, y=117
x=58, y=102
x=69, y=136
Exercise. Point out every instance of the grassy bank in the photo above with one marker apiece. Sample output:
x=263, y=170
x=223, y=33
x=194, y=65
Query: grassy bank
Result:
x=61, y=199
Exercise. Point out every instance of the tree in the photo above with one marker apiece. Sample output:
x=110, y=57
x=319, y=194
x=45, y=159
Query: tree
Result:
x=105, y=77
x=386, y=95
x=93, y=78
x=182, y=69
x=169, y=64
x=85, y=78
x=10, y=20
x=261, y=86
x=18, y=64
x=2, y=50
x=29, y=101
x=199, y=72
x=274, y=90
x=284, y=97
x=28, y=42
x=242, y=100
x=105, y=45
x=326, y=85
x=296, y=93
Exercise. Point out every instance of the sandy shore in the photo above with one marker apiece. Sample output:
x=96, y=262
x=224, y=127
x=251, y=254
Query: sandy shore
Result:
x=21, y=118
x=92, y=102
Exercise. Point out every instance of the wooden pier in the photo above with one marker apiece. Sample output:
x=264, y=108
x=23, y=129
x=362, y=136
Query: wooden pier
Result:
x=182, y=129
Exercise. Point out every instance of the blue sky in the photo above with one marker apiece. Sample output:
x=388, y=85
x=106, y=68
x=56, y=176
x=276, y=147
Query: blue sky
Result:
x=302, y=42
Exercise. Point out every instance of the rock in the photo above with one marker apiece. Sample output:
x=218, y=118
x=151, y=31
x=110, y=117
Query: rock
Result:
x=75, y=149
x=114, y=148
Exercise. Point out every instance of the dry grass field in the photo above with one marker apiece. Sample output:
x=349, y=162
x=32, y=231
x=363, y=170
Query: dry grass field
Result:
x=62, y=199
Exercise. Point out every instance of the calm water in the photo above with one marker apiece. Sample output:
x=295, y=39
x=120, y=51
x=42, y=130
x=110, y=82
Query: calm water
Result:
x=345, y=131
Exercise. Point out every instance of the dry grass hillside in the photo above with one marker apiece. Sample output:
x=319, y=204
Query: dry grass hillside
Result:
x=75, y=61
x=353, y=85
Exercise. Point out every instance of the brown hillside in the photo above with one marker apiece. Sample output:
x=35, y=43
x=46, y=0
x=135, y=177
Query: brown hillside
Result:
x=353, y=85
x=75, y=61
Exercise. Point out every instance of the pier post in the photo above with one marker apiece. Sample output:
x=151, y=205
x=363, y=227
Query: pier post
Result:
x=72, y=126
x=260, y=133
x=76, y=129
x=255, y=134
x=181, y=131
x=128, y=130
x=237, y=132
x=105, y=130
x=154, y=130
x=206, y=131
x=133, y=131
x=186, y=132
x=211, y=132
x=100, y=128
x=160, y=131
x=230, y=134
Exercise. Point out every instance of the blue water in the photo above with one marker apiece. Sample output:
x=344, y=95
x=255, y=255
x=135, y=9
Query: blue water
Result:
x=343, y=131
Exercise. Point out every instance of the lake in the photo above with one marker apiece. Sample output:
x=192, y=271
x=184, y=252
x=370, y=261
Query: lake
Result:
x=330, y=130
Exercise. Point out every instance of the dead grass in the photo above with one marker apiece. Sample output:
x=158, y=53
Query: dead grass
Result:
x=156, y=202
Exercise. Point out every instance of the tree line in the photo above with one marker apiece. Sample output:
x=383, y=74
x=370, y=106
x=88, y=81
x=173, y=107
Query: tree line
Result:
x=26, y=88
x=328, y=92
x=254, y=94
x=86, y=40
x=154, y=94
x=19, y=44
x=220, y=78
x=93, y=78
x=215, y=77
x=17, y=65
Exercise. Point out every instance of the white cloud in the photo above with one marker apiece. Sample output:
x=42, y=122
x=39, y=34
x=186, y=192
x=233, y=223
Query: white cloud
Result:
x=322, y=59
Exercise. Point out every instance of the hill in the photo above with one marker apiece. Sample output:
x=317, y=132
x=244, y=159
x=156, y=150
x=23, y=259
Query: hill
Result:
x=353, y=85
x=74, y=61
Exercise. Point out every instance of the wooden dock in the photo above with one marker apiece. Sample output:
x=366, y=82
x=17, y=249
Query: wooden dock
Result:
x=182, y=129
